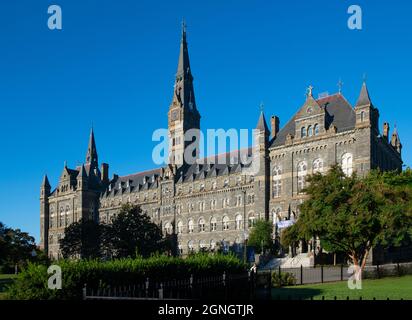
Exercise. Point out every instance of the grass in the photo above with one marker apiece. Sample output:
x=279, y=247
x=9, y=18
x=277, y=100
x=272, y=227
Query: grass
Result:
x=394, y=288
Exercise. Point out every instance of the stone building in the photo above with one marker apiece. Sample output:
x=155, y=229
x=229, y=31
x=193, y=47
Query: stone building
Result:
x=207, y=204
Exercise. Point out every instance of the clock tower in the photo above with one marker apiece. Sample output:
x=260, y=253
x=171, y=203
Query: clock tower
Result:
x=183, y=114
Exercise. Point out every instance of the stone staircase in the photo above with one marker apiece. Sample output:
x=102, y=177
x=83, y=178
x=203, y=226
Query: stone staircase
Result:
x=302, y=259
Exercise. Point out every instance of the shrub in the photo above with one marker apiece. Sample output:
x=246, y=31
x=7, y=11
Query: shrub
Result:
x=32, y=281
x=284, y=279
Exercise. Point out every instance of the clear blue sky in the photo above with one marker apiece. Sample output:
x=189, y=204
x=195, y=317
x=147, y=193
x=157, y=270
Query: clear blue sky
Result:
x=113, y=65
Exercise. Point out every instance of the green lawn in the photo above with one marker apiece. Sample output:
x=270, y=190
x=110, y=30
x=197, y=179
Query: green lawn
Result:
x=394, y=288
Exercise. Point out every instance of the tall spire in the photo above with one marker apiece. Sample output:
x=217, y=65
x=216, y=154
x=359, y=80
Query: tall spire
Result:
x=183, y=66
x=364, y=98
x=91, y=157
x=45, y=183
x=184, y=95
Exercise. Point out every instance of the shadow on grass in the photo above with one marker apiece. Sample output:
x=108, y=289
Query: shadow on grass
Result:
x=294, y=293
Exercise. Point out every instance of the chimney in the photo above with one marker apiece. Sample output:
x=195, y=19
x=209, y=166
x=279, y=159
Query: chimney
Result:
x=386, y=131
x=274, y=122
x=105, y=172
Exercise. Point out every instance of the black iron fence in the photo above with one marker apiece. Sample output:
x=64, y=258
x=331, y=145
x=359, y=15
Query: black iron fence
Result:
x=236, y=286
x=321, y=274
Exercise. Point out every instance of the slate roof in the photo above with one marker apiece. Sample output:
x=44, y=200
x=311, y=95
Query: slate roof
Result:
x=339, y=113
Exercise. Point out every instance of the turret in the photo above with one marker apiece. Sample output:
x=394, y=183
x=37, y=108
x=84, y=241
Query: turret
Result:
x=44, y=214
x=366, y=114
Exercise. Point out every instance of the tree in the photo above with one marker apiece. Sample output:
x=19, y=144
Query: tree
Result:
x=260, y=237
x=132, y=234
x=16, y=247
x=81, y=239
x=353, y=214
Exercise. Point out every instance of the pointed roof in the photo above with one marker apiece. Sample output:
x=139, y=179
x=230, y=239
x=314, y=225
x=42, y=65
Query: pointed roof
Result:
x=262, y=125
x=395, y=137
x=184, y=63
x=82, y=173
x=364, y=98
x=45, y=182
x=184, y=95
x=91, y=157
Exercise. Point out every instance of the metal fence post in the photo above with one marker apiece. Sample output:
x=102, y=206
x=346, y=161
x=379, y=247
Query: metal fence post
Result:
x=301, y=274
x=161, y=291
x=85, y=291
x=321, y=273
x=147, y=287
x=341, y=272
x=377, y=270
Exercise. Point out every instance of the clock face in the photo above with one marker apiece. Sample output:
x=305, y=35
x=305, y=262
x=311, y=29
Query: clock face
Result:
x=175, y=115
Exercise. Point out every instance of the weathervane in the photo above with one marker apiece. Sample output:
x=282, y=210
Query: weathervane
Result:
x=262, y=107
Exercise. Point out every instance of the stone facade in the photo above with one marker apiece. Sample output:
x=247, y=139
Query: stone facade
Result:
x=208, y=204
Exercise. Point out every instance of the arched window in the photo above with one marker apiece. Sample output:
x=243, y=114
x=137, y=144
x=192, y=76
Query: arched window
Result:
x=61, y=217
x=316, y=129
x=212, y=244
x=190, y=246
x=310, y=131
x=302, y=171
x=225, y=223
x=277, y=181
x=251, y=220
x=190, y=226
x=67, y=218
x=201, y=225
x=213, y=224
x=180, y=227
x=318, y=165
x=238, y=221
x=303, y=132
x=168, y=228
x=347, y=160
x=202, y=244
x=276, y=215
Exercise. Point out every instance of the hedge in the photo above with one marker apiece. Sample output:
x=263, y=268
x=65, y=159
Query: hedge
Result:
x=32, y=281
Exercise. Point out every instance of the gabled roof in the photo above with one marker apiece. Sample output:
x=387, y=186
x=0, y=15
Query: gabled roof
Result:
x=338, y=113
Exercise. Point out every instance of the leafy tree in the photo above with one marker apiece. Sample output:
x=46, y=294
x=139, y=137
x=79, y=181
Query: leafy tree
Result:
x=16, y=247
x=133, y=234
x=261, y=236
x=353, y=214
x=81, y=239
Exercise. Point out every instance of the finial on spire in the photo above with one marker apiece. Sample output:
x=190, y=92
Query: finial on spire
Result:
x=262, y=107
x=309, y=91
x=364, y=77
x=340, y=85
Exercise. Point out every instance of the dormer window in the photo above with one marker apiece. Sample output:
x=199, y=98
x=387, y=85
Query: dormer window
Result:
x=303, y=132
x=309, y=109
